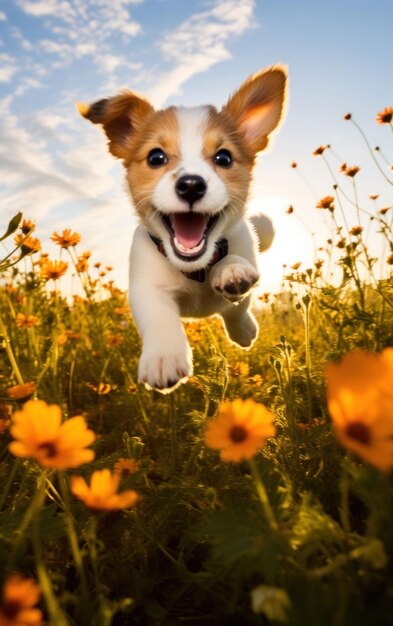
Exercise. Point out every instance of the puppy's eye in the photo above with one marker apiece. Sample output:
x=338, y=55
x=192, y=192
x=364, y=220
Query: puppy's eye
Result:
x=223, y=158
x=157, y=157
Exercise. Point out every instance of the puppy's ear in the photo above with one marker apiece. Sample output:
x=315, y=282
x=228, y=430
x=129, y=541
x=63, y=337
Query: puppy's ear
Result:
x=120, y=117
x=258, y=105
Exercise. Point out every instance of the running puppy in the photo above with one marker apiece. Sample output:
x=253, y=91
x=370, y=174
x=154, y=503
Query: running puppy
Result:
x=194, y=253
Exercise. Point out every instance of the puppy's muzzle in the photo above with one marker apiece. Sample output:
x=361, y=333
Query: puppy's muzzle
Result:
x=190, y=188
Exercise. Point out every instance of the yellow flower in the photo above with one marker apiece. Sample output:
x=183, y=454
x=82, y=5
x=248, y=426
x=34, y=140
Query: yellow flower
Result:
x=385, y=116
x=40, y=435
x=26, y=321
x=239, y=369
x=102, y=494
x=360, y=401
x=240, y=428
x=256, y=380
x=52, y=270
x=66, y=239
x=19, y=597
x=22, y=392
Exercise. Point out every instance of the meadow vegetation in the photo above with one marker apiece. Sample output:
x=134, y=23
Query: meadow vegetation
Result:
x=259, y=492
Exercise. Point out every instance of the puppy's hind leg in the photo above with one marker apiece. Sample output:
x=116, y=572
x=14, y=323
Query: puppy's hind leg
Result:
x=240, y=324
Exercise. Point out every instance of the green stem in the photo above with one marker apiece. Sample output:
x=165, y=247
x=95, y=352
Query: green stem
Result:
x=57, y=617
x=344, y=504
x=10, y=354
x=73, y=538
x=263, y=497
x=10, y=480
x=173, y=430
x=371, y=152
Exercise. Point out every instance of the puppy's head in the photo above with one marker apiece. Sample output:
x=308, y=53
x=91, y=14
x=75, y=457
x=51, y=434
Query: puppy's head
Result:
x=189, y=169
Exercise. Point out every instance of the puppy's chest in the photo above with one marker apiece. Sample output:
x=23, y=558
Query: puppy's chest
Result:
x=198, y=300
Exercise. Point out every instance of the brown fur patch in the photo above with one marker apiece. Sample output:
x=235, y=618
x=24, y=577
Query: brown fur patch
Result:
x=160, y=131
x=121, y=117
x=262, y=96
x=220, y=133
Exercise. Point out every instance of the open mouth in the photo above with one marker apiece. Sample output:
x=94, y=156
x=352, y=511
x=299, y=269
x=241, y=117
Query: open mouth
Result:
x=189, y=232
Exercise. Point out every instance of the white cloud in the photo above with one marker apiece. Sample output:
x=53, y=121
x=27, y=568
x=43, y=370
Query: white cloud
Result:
x=8, y=68
x=3, y=17
x=200, y=42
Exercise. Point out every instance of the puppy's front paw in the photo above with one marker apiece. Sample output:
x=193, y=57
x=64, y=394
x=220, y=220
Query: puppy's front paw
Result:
x=165, y=369
x=233, y=281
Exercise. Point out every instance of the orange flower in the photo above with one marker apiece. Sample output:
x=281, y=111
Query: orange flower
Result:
x=289, y=210
x=26, y=321
x=19, y=597
x=40, y=435
x=327, y=202
x=125, y=467
x=22, y=392
x=385, y=116
x=121, y=310
x=102, y=494
x=113, y=340
x=102, y=389
x=27, y=227
x=240, y=428
x=360, y=401
x=390, y=260
x=27, y=244
x=356, y=230
x=256, y=380
x=53, y=270
x=82, y=265
x=349, y=170
x=374, y=196
x=66, y=239
x=320, y=150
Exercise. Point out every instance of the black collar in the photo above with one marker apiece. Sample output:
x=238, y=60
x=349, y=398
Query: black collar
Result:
x=220, y=252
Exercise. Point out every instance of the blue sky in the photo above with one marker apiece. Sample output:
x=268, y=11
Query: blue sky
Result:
x=54, y=166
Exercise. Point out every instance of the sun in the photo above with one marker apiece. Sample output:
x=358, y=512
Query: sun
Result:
x=292, y=242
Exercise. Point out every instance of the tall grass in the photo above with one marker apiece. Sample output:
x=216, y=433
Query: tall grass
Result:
x=198, y=547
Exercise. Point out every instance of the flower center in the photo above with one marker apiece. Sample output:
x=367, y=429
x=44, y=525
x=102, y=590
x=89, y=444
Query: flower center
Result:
x=359, y=431
x=49, y=448
x=238, y=434
x=11, y=609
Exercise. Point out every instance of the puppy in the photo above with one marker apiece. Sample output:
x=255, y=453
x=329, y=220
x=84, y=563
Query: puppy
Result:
x=194, y=253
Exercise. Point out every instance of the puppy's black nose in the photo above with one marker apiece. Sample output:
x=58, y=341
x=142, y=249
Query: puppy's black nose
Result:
x=191, y=188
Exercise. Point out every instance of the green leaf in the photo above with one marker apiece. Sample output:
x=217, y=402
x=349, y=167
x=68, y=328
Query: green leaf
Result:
x=12, y=226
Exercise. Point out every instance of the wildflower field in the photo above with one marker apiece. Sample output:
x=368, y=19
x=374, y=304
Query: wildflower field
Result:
x=259, y=492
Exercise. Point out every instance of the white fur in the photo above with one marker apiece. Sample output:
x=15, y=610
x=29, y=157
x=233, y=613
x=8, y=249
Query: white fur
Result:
x=160, y=295
x=192, y=123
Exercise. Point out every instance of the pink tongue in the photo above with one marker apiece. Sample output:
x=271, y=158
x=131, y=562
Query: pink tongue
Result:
x=189, y=228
